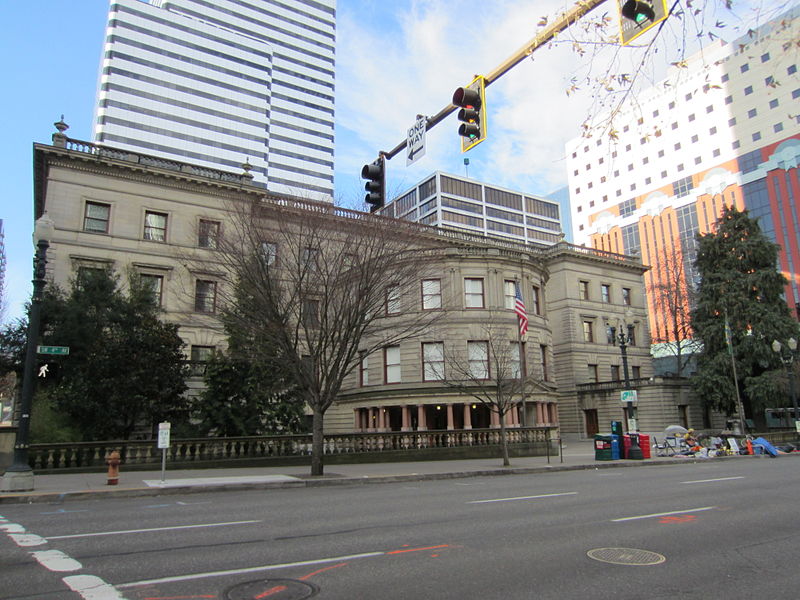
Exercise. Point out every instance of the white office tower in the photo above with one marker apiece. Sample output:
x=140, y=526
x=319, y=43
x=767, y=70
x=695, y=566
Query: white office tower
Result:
x=221, y=83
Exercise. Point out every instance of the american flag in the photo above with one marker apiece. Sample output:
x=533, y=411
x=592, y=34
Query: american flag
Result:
x=519, y=308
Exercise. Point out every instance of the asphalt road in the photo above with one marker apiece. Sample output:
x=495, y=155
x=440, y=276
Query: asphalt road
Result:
x=724, y=529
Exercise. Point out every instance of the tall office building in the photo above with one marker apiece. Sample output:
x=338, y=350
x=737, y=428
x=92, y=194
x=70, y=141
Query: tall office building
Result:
x=724, y=130
x=221, y=83
x=454, y=202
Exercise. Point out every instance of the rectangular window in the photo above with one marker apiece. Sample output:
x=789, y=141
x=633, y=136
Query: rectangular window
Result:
x=626, y=296
x=96, y=217
x=391, y=364
x=543, y=362
x=269, y=253
x=311, y=259
x=155, y=283
x=594, y=376
x=636, y=372
x=363, y=369
x=473, y=293
x=515, y=359
x=588, y=332
x=431, y=294
x=610, y=337
x=205, y=296
x=310, y=313
x=614, y=372
x=605, y=293
x=682, y=187
x=208, y=234
x=584, y=290
x=392, y=300
x=536, y=306
x=155, y=226
x=509, y=293
x=200, y=355
x=433, y=361
x=478, y=359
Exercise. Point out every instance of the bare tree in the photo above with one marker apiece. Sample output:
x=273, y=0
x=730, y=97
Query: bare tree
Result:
x=492, y=370
x=671, y=291
x=315, y=287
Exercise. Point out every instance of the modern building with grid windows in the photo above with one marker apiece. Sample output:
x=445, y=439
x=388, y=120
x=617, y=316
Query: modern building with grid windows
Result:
x=453, y=202
x=224, y=83
x=725, y=130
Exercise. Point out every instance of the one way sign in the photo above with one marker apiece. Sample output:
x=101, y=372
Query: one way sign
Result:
x=415, y=142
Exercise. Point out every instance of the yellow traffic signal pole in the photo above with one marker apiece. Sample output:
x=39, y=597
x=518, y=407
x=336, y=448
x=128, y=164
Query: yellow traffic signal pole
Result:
x=581, y=9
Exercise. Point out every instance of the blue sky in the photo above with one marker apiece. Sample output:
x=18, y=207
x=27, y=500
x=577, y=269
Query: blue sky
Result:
x=395, y=59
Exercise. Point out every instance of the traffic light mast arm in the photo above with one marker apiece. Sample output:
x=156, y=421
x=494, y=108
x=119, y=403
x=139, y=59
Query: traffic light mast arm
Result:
x=560, y=24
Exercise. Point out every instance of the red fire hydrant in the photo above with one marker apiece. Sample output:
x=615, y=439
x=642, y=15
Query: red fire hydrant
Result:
x=112, y=460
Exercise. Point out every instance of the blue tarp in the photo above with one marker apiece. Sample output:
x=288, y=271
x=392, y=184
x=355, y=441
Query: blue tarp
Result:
x=768, y=448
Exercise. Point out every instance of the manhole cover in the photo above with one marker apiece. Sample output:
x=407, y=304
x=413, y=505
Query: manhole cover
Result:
x=272, y=589
x=626, y=556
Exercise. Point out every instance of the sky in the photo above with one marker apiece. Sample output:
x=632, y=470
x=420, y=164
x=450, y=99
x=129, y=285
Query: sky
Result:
x=395, y=59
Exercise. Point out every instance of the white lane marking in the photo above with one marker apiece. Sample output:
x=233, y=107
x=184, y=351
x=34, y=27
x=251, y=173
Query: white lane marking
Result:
x=92, y=588
x=27, y=539
x=124, y=531
x=664, y=514
x=12, y=528
x=55, y=560
x=302, y=563
x=522, y=498
x=712, y=480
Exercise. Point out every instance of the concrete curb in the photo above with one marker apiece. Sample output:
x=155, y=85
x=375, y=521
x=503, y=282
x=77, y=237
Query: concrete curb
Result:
x=325, y=481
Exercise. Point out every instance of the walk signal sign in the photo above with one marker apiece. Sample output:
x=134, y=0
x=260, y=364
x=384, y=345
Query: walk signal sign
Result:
x=638, y=16
x=472, y=100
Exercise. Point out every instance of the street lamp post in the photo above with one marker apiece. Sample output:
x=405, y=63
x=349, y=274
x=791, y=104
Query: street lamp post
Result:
x=19, y=476
x=788, y=362
x=624, y=338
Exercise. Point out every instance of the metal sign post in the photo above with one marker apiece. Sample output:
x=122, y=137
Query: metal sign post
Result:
x=163, y=443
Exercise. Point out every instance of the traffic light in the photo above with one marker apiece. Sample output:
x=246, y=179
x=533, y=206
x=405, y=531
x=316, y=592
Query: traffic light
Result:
x=472, y=115
x=638, y=11
x=375, y=174
x=638, y=16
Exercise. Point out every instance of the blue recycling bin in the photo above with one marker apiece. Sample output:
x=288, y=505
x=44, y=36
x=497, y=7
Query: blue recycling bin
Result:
x=615, y=447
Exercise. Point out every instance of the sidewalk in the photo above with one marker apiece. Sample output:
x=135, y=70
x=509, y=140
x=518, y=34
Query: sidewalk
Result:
x=59, y=487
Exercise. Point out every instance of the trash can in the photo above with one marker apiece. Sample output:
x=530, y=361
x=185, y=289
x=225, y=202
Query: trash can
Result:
x=626, y=445
x=615, y=447
x=602, y=447
x=644, y=444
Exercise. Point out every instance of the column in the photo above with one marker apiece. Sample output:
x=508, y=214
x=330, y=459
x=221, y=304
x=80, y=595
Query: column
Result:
x=371, y=419
x=539, y=413
x=357, y=419
x=495, y=420
x=467, y=416
x=406, y=418
x=450, y=421
x=421, y=424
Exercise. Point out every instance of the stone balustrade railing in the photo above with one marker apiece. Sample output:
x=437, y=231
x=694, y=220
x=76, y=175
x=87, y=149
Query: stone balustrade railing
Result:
x=184, y=453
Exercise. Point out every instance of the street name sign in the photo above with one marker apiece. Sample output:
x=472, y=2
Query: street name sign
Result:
x=56, y=350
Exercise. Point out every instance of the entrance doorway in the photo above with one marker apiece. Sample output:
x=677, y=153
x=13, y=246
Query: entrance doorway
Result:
x=592, y=422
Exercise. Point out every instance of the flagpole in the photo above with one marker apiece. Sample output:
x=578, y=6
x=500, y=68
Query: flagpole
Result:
x=729, y=342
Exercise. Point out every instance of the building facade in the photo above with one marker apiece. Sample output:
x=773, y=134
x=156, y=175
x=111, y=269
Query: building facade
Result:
x=122, y=210
x=723, y=130
x=452, y=202
x=222, y=84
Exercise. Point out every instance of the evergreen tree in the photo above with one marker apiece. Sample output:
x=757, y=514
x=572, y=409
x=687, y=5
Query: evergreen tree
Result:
x=739, y=279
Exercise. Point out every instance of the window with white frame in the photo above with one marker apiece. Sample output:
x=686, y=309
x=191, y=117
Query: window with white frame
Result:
x=431, y=294
x=509, y=293
x=96, y=217
x=200, y=356
x=605, y=292
x=432, y=361
x=392, y=300
x=391, y=364
x=155, y=226
x=478, y=359
x=311, y=259
x=208, y=233
x=588, y=331
x=473, y=292
x=536, y=305
x=269, y=252
x=154, y=283
x=515, y=359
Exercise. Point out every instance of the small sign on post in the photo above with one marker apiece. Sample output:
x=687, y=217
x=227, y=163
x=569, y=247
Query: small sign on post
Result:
x=626, y=396
x=415, y=140
x=163, y=443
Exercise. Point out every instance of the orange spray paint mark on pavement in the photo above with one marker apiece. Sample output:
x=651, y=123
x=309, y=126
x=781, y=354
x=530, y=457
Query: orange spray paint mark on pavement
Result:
x=418, y=549
x=270, y=591
x=321, y=570
x=678, y=519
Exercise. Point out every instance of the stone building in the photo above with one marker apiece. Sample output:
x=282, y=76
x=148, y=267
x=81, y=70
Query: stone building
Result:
x=119, y=209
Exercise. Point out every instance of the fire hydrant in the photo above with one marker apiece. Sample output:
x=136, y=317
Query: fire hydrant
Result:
x=112, y=460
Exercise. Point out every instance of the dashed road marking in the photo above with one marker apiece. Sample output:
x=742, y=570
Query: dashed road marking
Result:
x=663, y=514
x=150, y=530
x=522, y=498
